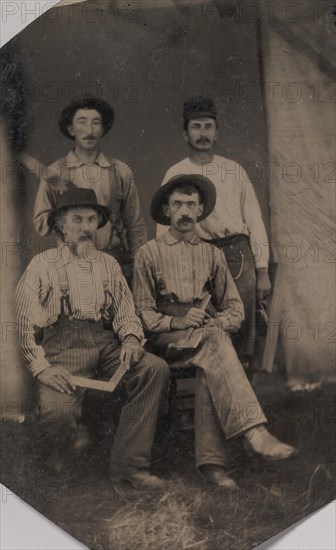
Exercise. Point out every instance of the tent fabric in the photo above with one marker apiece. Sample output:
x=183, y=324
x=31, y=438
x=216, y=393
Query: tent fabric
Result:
x=301, y=138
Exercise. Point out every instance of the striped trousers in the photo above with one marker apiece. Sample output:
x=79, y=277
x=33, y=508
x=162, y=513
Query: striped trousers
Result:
x=84, y=348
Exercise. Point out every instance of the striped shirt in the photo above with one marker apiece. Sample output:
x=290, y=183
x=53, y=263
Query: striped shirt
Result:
x=113, y=183
x=237, y=210
x=187, y=269
x=38, y=297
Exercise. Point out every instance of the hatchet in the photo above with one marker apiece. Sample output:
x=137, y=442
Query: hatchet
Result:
x=191, y=339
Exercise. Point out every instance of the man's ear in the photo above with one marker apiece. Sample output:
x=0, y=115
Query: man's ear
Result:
x=200, y=210
x=165, y=209
x=69, y=128
x=185, y=136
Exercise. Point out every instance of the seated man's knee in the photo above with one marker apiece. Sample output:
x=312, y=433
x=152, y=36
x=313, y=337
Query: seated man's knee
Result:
x=156, y=365
x=217, y=336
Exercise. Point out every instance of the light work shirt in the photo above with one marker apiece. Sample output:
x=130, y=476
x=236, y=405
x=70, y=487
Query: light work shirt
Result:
x=188, y=268
x=237, y=210
x=114, y=186
x=38, y=297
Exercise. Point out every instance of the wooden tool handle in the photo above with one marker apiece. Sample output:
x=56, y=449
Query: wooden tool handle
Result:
x=202, y=307
x=204, y=302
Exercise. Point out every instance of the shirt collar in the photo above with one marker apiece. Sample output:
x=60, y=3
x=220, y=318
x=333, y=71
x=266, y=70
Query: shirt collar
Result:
x=170, y=240
x=74, y=162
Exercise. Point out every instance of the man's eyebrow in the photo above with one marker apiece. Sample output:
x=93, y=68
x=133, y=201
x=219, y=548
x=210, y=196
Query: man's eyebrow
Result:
x=83, y=117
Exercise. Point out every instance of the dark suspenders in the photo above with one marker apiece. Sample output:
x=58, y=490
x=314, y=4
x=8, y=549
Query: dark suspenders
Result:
x=65, y=309
x=65, y=303
x=156, y=254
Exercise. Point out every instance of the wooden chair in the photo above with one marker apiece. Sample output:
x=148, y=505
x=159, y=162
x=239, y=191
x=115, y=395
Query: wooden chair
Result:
x=177, y=372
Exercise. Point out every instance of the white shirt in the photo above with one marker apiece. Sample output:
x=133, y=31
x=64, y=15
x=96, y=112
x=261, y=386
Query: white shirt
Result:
x=237, y=210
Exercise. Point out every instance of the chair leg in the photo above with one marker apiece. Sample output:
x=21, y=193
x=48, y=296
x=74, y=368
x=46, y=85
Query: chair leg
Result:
x=172, y=404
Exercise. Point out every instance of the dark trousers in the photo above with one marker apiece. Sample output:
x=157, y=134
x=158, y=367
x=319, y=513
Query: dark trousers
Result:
x=86, y=349
x=240, y=260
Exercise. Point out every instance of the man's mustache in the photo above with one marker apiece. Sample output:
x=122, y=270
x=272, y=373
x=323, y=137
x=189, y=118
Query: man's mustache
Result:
x=203, y=140
x=85, y=237
x=185, y=219
x=89, y=137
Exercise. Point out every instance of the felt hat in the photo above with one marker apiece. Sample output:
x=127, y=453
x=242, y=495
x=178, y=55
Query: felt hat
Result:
x=104, y=108
x=77, y=197
x=199, y=107
x=201, y=184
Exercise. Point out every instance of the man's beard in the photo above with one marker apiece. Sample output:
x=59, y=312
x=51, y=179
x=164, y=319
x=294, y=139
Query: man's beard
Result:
x=85, y=248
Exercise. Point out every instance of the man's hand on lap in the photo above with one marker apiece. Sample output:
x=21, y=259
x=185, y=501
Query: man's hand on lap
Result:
x=131, y=351
x=57, y=378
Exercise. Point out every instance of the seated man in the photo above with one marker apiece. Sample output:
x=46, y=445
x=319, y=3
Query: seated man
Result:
x=173, y=273
x=81, y=299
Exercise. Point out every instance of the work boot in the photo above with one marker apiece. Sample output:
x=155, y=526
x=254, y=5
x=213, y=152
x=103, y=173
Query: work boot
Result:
x=141, y=480
x=260, y=441
x=217, y=475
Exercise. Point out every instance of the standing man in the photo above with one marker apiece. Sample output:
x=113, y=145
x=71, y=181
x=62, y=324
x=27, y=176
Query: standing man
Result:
x=80, y=298
x=235, y=224
x=172, y=275
x=86, y=121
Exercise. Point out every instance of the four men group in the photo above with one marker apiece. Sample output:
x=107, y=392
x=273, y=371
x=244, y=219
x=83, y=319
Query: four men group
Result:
x=84, y=305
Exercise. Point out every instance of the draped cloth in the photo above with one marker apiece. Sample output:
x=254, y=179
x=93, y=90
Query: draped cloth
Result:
x=301, y=114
